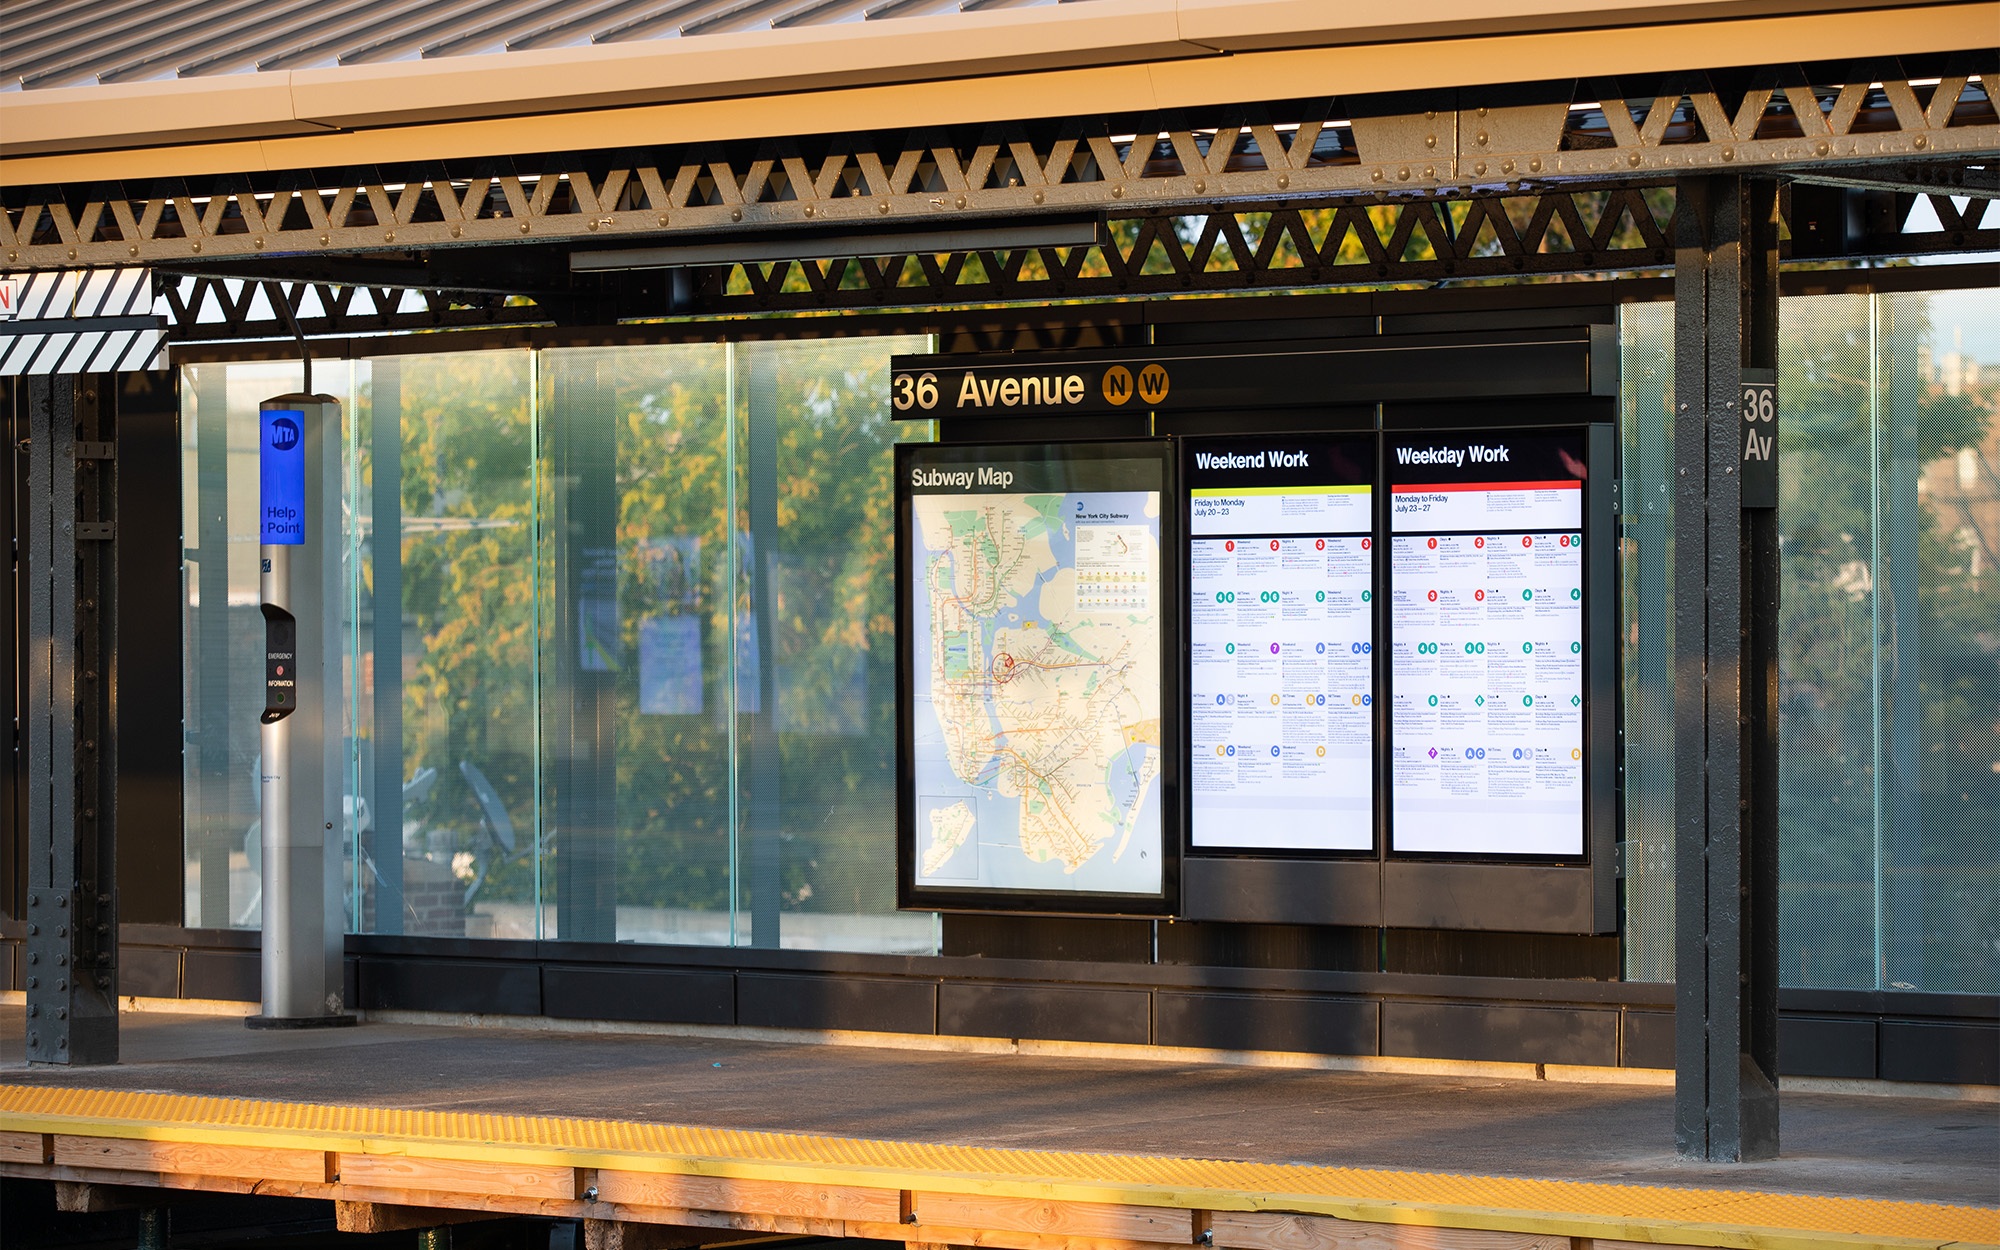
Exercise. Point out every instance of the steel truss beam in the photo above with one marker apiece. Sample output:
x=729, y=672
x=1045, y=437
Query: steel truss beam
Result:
x=1780, y=118
x=1291, y=245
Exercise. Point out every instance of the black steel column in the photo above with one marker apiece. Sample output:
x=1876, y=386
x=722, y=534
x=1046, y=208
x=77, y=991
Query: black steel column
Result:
x=1725, y=682
x=384, y=847
x=70, y=571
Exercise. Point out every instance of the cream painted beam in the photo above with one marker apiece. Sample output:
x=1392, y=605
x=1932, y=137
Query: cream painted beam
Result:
x=1070, y=60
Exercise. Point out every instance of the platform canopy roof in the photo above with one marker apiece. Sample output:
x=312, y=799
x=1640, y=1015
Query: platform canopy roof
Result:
x=136, y=88
x=592, y=161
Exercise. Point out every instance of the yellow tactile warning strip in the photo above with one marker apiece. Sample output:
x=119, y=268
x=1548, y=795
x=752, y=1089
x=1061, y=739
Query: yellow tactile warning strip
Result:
x=1646, y=1213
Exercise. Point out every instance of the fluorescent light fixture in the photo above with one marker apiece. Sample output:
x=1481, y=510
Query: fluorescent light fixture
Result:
x=1006, y=238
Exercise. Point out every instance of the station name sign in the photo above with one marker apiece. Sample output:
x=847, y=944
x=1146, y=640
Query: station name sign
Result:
x=1006, y=389
x=1229, y=378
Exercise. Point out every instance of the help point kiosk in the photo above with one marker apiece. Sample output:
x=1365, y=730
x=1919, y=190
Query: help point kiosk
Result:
x=299, y=777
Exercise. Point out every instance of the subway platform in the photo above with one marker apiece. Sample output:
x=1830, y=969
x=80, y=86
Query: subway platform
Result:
x=716, y=1137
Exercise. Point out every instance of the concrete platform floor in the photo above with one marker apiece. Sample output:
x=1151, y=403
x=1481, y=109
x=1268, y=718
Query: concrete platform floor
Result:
x=1912, y=1149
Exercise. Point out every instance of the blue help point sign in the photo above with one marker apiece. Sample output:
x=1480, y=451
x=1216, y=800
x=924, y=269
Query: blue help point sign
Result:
x=281, y=473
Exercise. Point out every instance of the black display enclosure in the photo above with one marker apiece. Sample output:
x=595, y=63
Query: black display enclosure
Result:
x=1366, y=396
x=933, y=807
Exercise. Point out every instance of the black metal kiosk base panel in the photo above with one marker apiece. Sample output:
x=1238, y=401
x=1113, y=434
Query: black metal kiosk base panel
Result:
x=1283, y=891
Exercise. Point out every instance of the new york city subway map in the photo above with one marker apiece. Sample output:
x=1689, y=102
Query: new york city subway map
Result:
x=1036, y=659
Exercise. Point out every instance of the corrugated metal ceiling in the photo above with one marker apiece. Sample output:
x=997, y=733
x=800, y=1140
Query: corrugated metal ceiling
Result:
x=76, y=43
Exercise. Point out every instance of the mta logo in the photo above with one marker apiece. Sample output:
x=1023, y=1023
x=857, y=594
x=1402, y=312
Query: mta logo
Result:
x=284, y=434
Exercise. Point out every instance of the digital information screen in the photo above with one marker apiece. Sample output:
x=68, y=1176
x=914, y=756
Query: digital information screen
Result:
x=1486, y=616
x=1034, y=760
x=1281, y=664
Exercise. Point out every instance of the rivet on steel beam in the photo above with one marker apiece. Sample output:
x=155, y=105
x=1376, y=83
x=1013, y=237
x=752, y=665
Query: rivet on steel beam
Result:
x=1506, y=167
x=663, y=219
x=961, y=201
x=593, y=225
x=134, y=249
x=1200, y=187
x=457, y=232
x=1480, y=139
x=1284, y=180
x=1403, y=174
x=1922, y=141
x=1729, y=154
x=810, y=210
x=258, y=242
x=1430, y=141
x=883, y=207
x=72, y=253
x=1375, y=176
x=1633, y=160
x=1117, y=193
x=323, y=240
x=736, y=214
x=524, y=227
x=388, y=236
x=197, y=245
x=1822, y=147
x=1535, y=165
x=1480, y=169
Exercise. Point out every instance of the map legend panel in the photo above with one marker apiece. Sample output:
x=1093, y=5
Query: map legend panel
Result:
x=1281, y=644
x=1033, y=750
x=1487, y=634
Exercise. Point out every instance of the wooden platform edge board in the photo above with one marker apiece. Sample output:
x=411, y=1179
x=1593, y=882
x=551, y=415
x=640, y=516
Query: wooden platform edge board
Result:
x=1301, y=1231
x=29, y=1147
x=191, y=1158
x=882, y=1204
x=1646, y=1229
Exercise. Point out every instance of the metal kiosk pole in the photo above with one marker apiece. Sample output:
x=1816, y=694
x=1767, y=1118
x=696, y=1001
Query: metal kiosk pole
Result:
x=299, y=781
